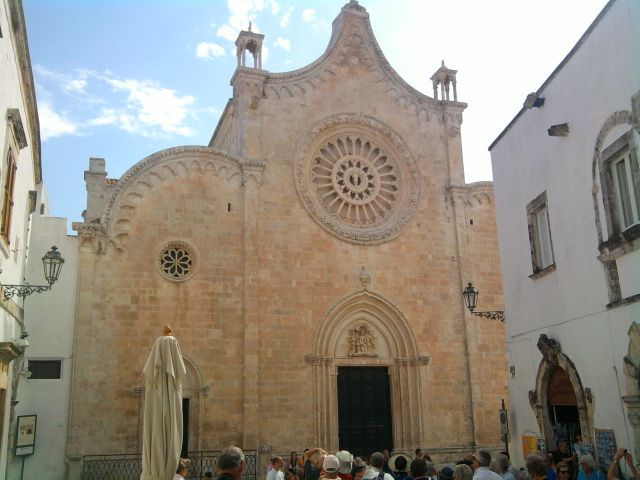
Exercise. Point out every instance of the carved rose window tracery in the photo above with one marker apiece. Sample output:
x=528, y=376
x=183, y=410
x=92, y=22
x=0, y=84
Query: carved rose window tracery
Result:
x=177, y=261
x=357, y=179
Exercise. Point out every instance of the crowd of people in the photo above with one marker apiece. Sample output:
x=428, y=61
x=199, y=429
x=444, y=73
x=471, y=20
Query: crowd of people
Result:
x=317, y=464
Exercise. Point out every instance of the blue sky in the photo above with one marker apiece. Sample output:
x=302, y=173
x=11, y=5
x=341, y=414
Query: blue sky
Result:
x=122, y=79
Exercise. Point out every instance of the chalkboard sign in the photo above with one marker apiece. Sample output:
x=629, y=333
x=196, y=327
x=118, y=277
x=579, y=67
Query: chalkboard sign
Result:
x=605, y=447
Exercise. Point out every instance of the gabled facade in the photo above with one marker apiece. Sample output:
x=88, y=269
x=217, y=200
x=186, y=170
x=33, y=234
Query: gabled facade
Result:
x=324, y=234
x=567, y=189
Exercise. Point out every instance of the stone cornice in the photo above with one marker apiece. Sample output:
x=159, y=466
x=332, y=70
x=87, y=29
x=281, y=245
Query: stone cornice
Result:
x=21, y=51
x=471, y=187
x=478, y=193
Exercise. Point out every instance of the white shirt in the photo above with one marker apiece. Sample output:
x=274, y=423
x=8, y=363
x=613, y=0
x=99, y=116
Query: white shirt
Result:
x=177, y=476
x=275, y=474
x=484, y=473
x=373, y=472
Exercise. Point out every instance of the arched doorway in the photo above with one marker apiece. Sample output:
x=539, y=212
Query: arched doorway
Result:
x=361, y=337
x=563, y=406
x=559, y=401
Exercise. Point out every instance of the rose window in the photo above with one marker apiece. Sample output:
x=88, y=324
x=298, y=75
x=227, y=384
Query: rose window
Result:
x=355, y=181
x=176, y=261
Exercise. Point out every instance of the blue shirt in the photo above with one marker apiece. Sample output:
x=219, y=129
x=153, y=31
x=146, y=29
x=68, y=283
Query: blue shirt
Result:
x=595, y=475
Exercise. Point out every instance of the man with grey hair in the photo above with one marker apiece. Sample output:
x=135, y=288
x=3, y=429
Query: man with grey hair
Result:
x=230, y=464
x=502, y=467
x=480, y=464
x=376, y=469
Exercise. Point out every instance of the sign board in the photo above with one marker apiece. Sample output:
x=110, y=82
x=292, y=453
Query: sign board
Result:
x=542, y=445
x=26, y=437
x=504, y=426
x=605, y=447
x=529, y=445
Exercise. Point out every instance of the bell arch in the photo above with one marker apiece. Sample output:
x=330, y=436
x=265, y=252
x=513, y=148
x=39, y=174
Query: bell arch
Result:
x=386, y=340
x=552, y=359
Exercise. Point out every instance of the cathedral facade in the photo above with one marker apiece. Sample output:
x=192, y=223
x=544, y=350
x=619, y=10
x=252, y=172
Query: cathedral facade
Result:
x=310, y=260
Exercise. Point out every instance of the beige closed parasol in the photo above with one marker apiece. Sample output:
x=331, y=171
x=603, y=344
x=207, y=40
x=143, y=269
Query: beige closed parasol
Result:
x=162, y=428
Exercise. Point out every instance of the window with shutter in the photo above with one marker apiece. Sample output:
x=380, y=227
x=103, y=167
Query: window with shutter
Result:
x=7, y=195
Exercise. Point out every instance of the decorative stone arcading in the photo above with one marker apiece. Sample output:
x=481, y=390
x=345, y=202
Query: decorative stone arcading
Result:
x=472, y=194
x=166, y=165
x=358, y=39
x=357, y=179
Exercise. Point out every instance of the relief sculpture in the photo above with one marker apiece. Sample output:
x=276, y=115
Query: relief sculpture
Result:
x=362, y=342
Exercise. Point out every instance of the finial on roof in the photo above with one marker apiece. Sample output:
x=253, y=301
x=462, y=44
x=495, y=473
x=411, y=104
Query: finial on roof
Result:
x=442, y=60
x=250, y=30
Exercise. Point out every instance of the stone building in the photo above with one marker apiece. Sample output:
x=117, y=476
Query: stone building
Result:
x=567, y=192
x=310, y=259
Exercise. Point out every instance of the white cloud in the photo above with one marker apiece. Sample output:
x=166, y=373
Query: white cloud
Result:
x=286, y=18
x=283, y=43
x=53, y=124
x=241, y=13
x=141, y=107
x=108, y=116
x=309, y=15
x=208, y=50
x=150, y=109
x=228, y=33
x=68, y=83
x=275, y=6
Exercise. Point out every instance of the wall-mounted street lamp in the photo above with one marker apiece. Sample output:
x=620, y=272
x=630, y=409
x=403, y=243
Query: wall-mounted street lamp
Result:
x=470, y=296
x=52, y=263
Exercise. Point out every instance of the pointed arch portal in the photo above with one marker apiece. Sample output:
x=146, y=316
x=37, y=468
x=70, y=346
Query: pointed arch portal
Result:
x=366, y=330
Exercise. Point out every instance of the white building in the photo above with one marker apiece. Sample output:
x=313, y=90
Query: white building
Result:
x=26, y=234
x=20, y=172
x=49, y=318
x=567, y=191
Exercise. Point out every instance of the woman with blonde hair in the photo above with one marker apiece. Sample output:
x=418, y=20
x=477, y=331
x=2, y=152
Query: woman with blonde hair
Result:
x=462, y=472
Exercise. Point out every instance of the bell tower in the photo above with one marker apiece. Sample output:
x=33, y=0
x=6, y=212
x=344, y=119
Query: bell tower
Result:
x=248, y=40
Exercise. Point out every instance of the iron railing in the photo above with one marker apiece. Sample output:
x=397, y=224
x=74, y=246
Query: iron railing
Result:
x=129, y=466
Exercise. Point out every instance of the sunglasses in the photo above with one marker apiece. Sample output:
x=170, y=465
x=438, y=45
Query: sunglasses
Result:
x=563, y=471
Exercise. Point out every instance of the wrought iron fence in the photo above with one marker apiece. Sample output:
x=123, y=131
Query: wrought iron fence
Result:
x=129, y=466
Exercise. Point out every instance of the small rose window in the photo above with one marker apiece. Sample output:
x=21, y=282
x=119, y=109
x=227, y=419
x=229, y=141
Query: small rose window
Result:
x=177, y=261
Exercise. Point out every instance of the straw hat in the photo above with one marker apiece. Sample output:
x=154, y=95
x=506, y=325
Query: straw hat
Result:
x=395, y=462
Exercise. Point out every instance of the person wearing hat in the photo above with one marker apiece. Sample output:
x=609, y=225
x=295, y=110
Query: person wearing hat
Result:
x=446, y=473
x=399, y=466
x=330, y=467
x=346, y=464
